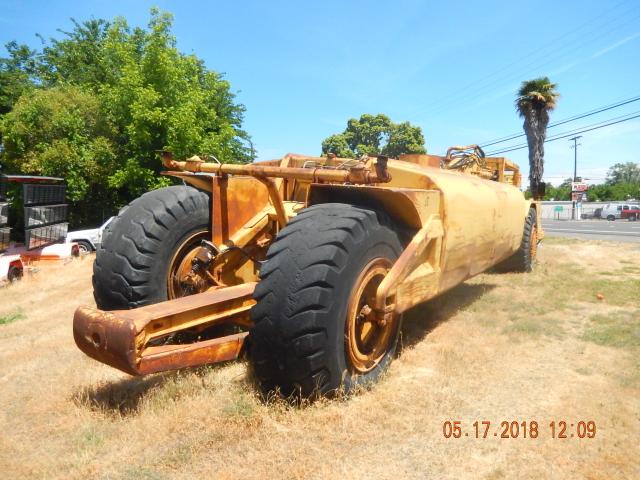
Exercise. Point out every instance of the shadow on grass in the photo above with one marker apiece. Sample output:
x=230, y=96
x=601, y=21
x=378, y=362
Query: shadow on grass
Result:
x=125, y=397
x=422, y=319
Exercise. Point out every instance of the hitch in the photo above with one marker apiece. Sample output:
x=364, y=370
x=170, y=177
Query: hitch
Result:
x=140, y=341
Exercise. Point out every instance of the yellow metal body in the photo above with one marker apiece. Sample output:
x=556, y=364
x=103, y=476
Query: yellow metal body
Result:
x=464, y=221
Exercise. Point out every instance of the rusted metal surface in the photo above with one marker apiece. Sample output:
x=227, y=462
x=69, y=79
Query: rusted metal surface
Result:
x=183, y=279
x=358, y=174
x=107, y=338
x=173, y=357
x=122, y=338
x=235, y=201
x=276, y=200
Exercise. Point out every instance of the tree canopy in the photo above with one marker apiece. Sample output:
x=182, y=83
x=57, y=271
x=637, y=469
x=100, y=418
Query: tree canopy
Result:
x=536, y=94
x=97, y=103
x=375, y=134
x=624, y=173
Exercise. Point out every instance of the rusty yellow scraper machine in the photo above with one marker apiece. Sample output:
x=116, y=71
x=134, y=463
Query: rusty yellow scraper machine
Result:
x=307, y=263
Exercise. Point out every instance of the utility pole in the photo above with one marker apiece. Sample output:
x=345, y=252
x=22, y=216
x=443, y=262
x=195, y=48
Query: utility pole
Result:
x=575, y=172
x=575, y=156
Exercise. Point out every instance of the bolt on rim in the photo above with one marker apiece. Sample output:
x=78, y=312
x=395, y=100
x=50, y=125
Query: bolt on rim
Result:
x=181, y=280
x=367, y=339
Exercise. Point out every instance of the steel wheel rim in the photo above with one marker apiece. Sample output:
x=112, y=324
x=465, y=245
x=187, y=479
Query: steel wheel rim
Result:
x=367, y=341
x=180, y=266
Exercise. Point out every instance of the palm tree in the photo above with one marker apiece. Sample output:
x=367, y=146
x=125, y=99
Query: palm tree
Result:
x=536, y=98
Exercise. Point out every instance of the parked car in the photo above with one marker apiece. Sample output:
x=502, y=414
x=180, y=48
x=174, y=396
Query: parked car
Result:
x=612, y=211
x=597, y=213
x=88, y=240
x=632, y=214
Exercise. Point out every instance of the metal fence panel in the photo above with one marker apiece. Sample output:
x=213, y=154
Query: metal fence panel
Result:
x=44, y=215
x=4, y=238
x=4, y=214
x=34, y=194
x=43, y=236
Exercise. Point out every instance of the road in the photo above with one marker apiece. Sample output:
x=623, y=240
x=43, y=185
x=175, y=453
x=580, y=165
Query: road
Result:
x=619, y=230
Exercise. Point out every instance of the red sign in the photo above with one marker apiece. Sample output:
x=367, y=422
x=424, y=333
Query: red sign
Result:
x=578, y=196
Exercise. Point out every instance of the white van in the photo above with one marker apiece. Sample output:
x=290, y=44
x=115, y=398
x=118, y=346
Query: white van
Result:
x=611, y=211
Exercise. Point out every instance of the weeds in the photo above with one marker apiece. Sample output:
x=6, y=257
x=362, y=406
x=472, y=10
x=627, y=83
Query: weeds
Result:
x=621, y=330
x=12, y=317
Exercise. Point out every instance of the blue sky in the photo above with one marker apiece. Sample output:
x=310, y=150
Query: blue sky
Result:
x=304, y=68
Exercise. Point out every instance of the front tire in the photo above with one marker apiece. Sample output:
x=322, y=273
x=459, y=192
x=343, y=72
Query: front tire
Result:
x=145, y=242
x=524, y=259
x=84, y=247
x=311, y=336
x=14, y=274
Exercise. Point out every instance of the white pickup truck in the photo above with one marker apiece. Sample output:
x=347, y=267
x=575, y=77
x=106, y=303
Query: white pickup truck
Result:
x=613, y=211
x=88, y=240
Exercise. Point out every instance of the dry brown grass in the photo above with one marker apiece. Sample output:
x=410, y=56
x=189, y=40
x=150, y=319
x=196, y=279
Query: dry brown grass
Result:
x=500, y=347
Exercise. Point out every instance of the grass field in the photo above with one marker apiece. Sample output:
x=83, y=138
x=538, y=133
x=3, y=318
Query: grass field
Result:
x=562, y=343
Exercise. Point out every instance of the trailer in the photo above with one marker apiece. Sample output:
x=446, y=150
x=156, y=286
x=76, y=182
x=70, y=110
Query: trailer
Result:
x=307, y=264
x=38, y=225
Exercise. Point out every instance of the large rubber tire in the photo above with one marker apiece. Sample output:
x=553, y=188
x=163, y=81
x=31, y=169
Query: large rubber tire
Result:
x=523, y=260
x=298, y=342
x=132, y=263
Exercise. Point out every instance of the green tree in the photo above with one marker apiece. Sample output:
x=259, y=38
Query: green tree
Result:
x=535, y=99
x=561, y=192
x=373, y=135
x=130, y=93
x=16, y=72
x=61, y=132
x=614, y=192
x=628, y=172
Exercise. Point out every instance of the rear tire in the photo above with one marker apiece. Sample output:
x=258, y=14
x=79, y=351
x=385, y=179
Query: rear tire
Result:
x=300, y=342
x=84, y=247
x=524, y=259
x=14, y=274
x=132, y=263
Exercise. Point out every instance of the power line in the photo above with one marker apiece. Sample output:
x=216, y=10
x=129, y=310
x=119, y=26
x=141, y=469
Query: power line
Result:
x=541, y=53
x=566, y=51
x=560, y=136
x=573, y=131
x=562, y=122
